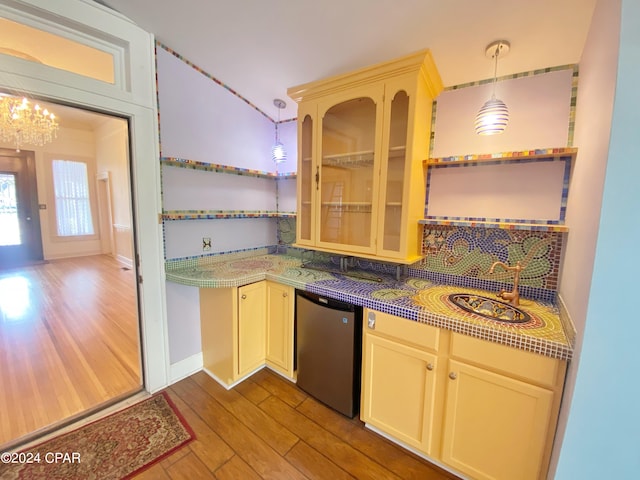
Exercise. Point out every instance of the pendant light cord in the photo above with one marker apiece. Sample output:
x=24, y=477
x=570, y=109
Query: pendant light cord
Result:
x=495, y=71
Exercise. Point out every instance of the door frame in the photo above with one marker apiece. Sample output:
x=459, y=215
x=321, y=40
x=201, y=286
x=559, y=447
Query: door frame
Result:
x=132, y=96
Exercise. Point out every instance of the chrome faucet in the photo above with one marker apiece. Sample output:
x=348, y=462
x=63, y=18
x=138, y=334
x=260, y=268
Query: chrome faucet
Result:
x=513, y=297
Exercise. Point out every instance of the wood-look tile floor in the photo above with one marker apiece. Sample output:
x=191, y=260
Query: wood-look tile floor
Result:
x=267, y=428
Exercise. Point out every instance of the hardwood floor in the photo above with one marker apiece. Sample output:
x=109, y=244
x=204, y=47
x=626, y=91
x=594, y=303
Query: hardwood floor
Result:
x=69, y=342
x=267, y=428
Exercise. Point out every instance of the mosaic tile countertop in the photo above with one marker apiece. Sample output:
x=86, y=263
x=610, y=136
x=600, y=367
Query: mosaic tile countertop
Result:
x=412, y=298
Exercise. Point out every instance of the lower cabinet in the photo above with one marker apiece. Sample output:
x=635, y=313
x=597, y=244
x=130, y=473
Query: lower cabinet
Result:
x=486, y=410
x=245, y=327
x=398, y=390
x=495, y=426
x=252, y=327
x=279, y=341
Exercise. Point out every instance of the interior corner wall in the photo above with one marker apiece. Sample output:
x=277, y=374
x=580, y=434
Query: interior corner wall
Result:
x=602, y=431
x=202, y=121
x=596, y=89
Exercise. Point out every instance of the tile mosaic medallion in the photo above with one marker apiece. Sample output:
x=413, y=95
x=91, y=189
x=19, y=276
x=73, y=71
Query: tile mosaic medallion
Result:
x=470, y=251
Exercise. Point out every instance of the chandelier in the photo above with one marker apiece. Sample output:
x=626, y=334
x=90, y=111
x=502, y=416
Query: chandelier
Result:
x=22, y=124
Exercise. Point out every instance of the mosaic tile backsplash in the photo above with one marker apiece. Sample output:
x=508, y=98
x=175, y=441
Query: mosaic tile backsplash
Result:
x=463, y=255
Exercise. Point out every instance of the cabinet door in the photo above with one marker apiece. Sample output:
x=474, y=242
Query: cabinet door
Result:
x=348, y=155
x=306, y=184
x=495, y=426
x=394, y=160
x=279, y=352
x=251, y=327
x=398, y=389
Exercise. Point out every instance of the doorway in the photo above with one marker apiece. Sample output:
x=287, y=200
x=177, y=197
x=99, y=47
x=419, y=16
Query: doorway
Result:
x=70, y=341
x=20, y=238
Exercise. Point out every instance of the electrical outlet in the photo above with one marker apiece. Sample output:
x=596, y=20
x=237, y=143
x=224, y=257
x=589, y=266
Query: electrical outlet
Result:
x=206, y=244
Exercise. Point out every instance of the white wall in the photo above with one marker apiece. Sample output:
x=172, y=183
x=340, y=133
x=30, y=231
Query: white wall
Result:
x=598, y=71
x=538, y=115
x=539, y=107
x=112, y=156
x=201, y=120
x=603, y=430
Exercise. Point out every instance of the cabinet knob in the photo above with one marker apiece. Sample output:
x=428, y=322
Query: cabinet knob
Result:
x=429, y=366
x=453, y=375
x=243, y=297
x=284, y=294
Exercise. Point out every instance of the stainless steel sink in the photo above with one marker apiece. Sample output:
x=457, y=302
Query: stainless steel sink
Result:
x=489, y=308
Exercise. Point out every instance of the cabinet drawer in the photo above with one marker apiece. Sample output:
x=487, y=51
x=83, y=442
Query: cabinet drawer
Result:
x=527, y=365
x=407, y=331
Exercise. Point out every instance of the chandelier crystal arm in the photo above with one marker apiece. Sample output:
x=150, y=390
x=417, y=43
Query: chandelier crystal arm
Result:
x=22, y=124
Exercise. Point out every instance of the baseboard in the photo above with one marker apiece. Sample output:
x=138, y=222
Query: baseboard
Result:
x=415, y=451
x=184, y=368
x=127, y=262
x=231, y=385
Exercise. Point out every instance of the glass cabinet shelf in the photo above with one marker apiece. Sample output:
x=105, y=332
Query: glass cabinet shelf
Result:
x=362, y=207
x=349, y=160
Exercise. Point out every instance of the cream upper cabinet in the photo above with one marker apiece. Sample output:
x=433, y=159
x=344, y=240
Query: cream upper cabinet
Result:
x=362, y=138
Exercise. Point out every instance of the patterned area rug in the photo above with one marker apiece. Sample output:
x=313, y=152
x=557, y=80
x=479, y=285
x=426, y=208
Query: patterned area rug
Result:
x=114, y=447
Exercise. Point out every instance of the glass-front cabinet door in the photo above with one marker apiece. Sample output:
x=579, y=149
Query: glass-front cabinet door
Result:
x=306, y=187
x=393, y=175
x=349, y=172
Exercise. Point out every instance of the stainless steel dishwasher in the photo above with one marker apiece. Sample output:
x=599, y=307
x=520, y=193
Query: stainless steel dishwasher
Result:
x=329, y=350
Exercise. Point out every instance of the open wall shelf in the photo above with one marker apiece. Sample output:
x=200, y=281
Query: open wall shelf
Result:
x=525, y=155
x=222, y=214
x=525, y=190
x=214, y=167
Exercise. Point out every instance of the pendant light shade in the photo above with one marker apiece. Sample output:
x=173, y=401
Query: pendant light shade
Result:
x=493, y=117
x=278, y=153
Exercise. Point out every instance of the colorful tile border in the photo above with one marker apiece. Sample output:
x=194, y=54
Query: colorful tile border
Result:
x=508, y=224
x=222, y=214
x=219, y=168
x=498, y=158
x=212, y=78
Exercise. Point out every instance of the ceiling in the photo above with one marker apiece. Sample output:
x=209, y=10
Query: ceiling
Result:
x=262, y=47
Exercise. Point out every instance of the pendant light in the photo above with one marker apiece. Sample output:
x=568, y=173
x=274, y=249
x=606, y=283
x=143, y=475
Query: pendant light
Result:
x=494, y=115
x=278, y=154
